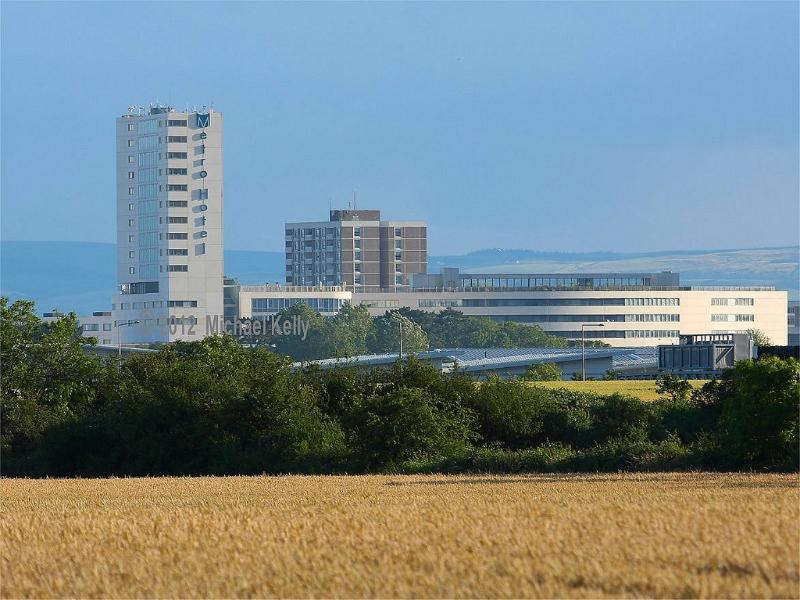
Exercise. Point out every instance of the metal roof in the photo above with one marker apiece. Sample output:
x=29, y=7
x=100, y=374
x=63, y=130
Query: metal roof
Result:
x=480, y=359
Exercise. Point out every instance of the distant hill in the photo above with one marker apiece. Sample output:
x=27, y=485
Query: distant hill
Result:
x=779, y=267
x=81, y=276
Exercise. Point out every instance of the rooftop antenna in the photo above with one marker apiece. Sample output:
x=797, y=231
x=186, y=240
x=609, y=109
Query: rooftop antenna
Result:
x=354, y=199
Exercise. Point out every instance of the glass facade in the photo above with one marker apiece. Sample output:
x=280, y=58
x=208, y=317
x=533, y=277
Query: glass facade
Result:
x=273, y=305
x=483, y=302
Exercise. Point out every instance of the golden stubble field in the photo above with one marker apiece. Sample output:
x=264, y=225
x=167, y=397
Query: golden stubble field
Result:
x=711, y=535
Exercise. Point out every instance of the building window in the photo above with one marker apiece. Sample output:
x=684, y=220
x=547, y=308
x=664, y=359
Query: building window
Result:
x=176, y=155
x=176, y=139
x=178, y=268
x=178, y=219
x=177, y=123
x=131, y=254
x=732, y=302
x=183, y=303
x=131, y=270
x=177, y=171
x=130, y=127
x=131, y=175
x=130, y=222
x=106, y=326
x=130, y=205
x=177, y=187
x=178, y=203
x=732, y=317
x=131, y=160
x=130, y=144
x=130, y=238
x=131, y=191
x=178, y=252
x=178, y=236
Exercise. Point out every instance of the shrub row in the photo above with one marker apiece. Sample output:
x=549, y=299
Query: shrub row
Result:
x=215, y=407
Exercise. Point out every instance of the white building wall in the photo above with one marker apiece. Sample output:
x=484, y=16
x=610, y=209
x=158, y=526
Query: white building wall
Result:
x=694, y=309
x=98, y=326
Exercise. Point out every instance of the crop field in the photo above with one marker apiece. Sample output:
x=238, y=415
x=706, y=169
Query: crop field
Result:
x=644, y=389
x=709, y=535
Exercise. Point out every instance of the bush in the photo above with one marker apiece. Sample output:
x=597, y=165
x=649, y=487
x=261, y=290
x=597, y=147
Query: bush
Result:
x=543, y=372
x=507, y=413
x=546, y=458
x=405, y=424
x=215, y=407
x=619, y=417
x=675, y=387
x=758, y=401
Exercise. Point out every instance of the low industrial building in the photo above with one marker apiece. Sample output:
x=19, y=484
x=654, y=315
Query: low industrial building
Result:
x=508, y=363
x=705, y=355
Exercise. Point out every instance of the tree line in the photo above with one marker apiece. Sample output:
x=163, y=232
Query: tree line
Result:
x=218, y=407
x=353, y=331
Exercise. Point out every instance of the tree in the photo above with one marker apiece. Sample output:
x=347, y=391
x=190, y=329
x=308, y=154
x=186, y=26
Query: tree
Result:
x=314, y=345
x=46, y=378
x=346, y=333
x=759, y=425
x=759, y=337
x=406, y=423
x=673, y=386
x=384, y=337
x=450, y=328
x=543, y=372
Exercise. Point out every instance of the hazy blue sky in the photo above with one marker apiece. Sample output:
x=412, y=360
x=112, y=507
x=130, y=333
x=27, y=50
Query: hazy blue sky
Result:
x=627, y=126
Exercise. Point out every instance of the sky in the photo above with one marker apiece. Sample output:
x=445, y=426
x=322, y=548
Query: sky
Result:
x=555, y=127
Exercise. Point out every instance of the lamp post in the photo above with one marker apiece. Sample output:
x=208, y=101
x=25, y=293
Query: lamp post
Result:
x=583, y=346
x=119, y=340
x=400, y=322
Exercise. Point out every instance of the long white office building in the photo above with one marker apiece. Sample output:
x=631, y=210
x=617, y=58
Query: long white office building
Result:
x=620, y=309
x=169, y=224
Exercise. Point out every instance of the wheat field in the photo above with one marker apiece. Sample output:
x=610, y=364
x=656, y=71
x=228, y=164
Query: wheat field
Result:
x=644, y=389
x=687, y=535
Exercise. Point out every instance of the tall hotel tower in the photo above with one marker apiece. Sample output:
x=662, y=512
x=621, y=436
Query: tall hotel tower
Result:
x=169, y=225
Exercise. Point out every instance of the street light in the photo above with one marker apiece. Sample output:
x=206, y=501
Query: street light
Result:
x=119, y=340
x=400, y=322
x=583, y=346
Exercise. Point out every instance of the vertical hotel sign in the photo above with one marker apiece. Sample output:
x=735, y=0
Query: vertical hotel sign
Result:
x=203, y=121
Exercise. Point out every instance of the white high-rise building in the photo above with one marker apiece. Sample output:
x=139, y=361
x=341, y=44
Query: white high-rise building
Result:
x=169, y=224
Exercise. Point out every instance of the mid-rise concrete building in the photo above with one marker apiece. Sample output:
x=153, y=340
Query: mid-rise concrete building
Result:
x=357, y=250
x=169, y=223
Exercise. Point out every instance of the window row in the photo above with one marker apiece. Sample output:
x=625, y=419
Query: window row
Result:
x=268, y=305
x=732, y=301
x=95, y=327
x=153, y=322
x=151, y=125
x=732, y=317
x=478, y=302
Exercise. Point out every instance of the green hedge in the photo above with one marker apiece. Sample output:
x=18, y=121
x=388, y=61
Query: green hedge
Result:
x=215, y=407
